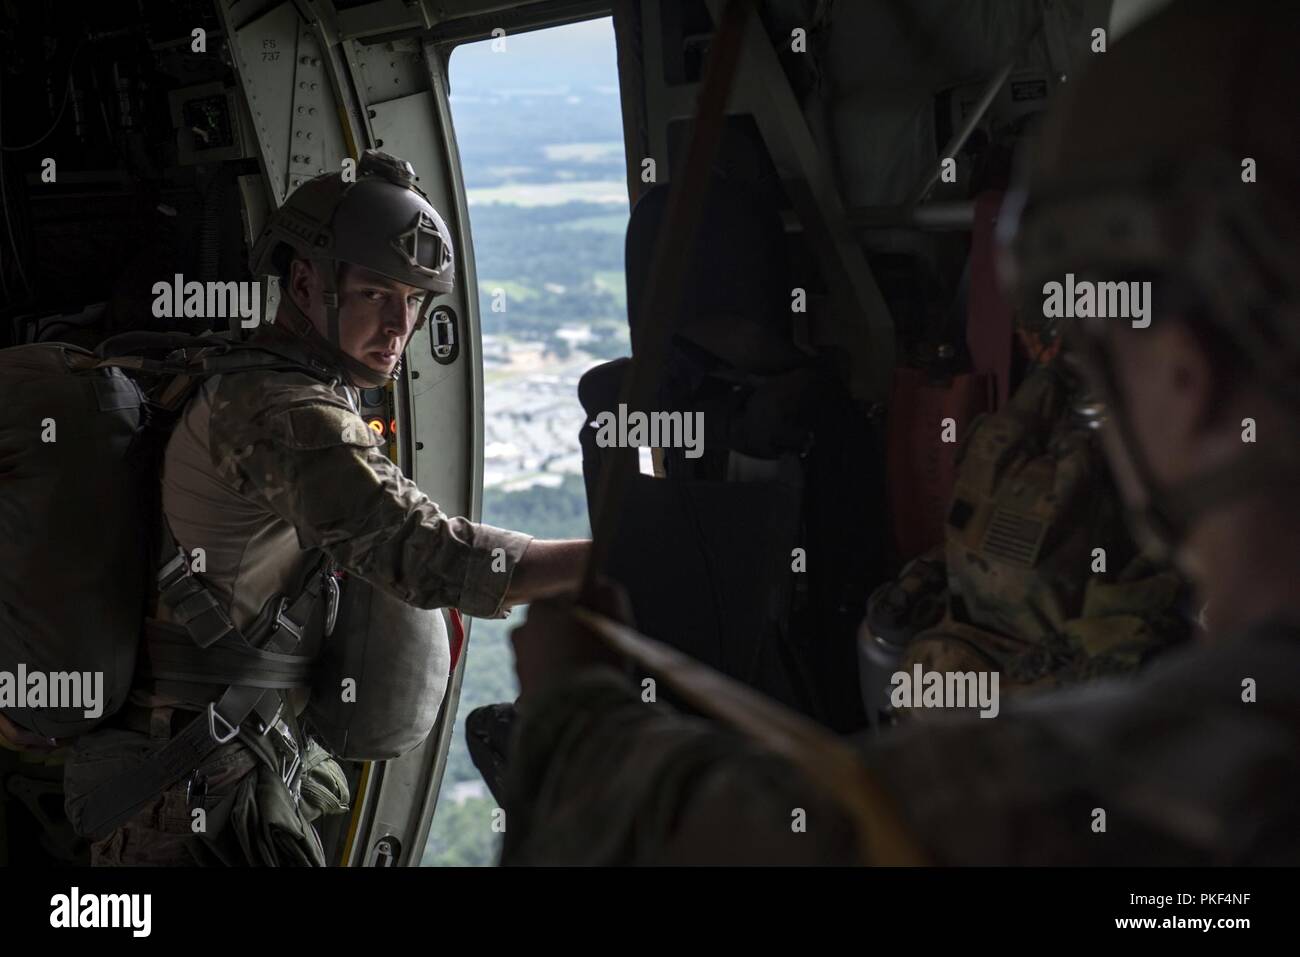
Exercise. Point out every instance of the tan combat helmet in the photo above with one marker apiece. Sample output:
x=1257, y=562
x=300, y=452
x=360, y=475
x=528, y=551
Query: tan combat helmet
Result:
x=1175, y=158
x=382, y=222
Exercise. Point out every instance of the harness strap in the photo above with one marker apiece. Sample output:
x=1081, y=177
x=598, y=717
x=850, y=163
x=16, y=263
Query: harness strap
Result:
x=203, y=644
x=207, y=647
x=117, y=800
x=173, y=657
x=192, y=605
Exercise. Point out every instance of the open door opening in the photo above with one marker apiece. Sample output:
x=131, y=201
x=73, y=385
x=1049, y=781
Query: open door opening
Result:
x=539, y=128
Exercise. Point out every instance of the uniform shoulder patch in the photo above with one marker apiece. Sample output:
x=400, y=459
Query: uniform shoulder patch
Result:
x=294, y=411
x=316, y=425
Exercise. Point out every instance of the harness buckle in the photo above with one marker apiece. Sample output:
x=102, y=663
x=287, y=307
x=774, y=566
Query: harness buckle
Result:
x=284, y=737
x=199, y=793
x=290, y=755
x=331, y=603
x=230, y=730
x=174, y=570
x=289, y=772
x=284, y=621
x=264, y=727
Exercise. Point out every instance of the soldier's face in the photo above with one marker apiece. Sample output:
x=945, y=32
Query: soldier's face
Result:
x=1168, y=395
x=376, y=317
x=376, y=314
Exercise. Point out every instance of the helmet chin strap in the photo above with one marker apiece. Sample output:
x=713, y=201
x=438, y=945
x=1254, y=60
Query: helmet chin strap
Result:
x=357, y=373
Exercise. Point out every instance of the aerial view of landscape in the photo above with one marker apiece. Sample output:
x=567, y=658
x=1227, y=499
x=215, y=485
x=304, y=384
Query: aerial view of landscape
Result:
x=540, y=135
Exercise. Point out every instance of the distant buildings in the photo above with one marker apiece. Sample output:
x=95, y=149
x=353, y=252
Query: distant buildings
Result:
x=531, y=412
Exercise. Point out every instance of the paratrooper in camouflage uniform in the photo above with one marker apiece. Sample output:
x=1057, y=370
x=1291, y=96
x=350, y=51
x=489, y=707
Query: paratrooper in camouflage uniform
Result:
x=267, y=471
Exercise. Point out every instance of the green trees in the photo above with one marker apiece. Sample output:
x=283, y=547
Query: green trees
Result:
x=462, y=834
x=562, y=268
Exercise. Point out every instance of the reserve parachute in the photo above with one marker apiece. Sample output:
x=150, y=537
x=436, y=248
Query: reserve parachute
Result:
x=376, y=694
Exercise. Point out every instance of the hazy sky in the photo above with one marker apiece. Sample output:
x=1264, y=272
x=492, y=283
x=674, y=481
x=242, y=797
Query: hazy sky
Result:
x=578, y=56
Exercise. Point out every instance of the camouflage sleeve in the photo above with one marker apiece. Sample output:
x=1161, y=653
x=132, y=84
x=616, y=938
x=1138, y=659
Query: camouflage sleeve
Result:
x=298, y=448
x=1081, y=777
x=596, y=776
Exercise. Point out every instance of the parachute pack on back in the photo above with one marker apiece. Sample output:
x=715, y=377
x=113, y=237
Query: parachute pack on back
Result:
x=81, y=435
x=73, y=545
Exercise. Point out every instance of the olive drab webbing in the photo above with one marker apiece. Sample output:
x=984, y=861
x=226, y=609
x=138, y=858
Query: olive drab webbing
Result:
x=382, y=221
x=125, y=397
x=1043, y=582
x=78, y=520
x=251, y=817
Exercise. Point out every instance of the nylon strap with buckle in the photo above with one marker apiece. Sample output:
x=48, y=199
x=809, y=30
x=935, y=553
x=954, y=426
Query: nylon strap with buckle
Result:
x=203, y=644
x=258, y=676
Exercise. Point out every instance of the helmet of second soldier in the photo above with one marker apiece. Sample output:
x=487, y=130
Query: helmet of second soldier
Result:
x=1155, y=224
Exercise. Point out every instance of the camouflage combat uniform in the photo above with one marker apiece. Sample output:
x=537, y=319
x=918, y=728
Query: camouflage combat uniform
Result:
x=1044, y=582
x=266, y=468
x=264, y=471
x=1185, y=770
